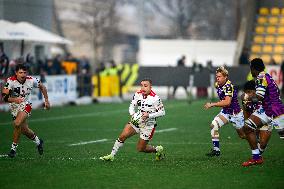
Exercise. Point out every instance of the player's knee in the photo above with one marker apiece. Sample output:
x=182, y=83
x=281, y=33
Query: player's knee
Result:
x=214, y=129
x=17, y=124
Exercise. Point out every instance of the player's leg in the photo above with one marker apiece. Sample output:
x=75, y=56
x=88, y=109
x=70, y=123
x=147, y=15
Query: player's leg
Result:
x=146, y=134
x=238, y=122
x=17, y=123
x=278, y=124
x=241, y=133
x=174, y=91
x=264, y=136
x=127, y=132
x=143, y=146
x=217, y=123
x=251, y=124
x=31, y=135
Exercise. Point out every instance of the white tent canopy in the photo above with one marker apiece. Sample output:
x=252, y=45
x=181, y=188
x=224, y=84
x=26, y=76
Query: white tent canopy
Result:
x=28, y=32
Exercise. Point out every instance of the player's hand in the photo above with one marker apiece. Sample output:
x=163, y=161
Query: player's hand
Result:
x=19, y=100
x=208, y=105
x=46, y=105
x=145, y=116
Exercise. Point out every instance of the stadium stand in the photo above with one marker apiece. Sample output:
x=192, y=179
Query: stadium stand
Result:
x=268, y=36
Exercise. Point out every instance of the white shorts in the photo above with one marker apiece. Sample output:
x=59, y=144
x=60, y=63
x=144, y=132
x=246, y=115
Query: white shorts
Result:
x=266, y=128
x=237, y=120
x=23, y=107
x=276, y=122
x=146, y=133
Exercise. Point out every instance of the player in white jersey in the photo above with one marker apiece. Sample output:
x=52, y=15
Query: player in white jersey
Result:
x=17, y=91
x=150, y=107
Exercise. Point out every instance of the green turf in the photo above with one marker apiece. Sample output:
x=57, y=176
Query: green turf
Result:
x=185, y=166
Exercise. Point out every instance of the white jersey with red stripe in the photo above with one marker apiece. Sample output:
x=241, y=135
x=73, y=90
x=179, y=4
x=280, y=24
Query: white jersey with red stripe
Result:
x=151, y=104
x=18, y=89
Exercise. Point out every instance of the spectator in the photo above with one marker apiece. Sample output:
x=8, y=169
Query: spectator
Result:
x=272, y=61
x=57, y=64
x=101, y=67
x=4, y=63
x=180, y=63
x=84, y=64
x=31, y=64
x=244, y=58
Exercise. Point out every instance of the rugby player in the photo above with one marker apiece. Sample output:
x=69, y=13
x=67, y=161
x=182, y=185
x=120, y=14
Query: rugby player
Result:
x=16, y=92
x=270, y=112
x=230, y=112
x=151, y=107
x=263, y=134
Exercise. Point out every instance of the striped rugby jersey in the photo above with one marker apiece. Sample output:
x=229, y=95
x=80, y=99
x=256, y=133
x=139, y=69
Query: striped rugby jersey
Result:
x=269, y=91
x=228, y=89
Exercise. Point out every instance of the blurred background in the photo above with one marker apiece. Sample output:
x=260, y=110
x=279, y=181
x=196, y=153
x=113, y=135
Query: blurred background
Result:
x=98, y=50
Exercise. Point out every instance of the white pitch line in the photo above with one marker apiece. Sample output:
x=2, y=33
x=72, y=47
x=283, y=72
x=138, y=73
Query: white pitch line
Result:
x=166, y=130
x=104, y=140
x=3, y=155
x=91, y=114
x=89, y=142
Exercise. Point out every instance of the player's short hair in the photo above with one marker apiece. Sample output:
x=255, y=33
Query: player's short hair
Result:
x=257, y=64
x=21, y=67
x=249, y=85
x=147, y=79
x=223, y=71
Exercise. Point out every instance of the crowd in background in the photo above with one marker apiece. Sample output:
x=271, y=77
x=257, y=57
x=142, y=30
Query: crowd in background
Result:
x=58, y=65
x=51, y=66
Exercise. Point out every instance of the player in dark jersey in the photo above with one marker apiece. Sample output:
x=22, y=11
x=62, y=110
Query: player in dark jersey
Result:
x=263, y=134
x=230, y=112
x=270, y=111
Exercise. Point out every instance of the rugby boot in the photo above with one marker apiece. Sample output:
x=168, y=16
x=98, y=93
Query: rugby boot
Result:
x=252, y=161
x=213, y=153
x=40, y=147
x=107, y=158
x=12, y=153
x=160, y=153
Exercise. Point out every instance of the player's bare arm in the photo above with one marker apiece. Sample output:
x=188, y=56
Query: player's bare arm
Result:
x=43, y=90
x=221, y=103
x=8, y=98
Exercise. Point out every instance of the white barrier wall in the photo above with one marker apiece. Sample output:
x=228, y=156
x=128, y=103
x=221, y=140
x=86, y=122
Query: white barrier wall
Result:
x=153, y=52
x=61, y=89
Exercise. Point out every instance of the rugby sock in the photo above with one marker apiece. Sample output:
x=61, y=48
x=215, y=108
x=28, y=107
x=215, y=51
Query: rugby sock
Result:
x=36, y=139
x=116, y=147
x=260, y=149
x=14, y=146
x=216, y=145
x=255, y=154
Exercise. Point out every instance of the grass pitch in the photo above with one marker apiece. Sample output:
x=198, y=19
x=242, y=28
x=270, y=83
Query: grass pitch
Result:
x=75, y=137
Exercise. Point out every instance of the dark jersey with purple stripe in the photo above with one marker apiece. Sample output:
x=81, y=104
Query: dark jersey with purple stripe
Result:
x=228, y=89
x=268, y=90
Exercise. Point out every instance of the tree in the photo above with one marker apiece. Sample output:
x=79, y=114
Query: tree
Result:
x=99, y=20
x=180, y=13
